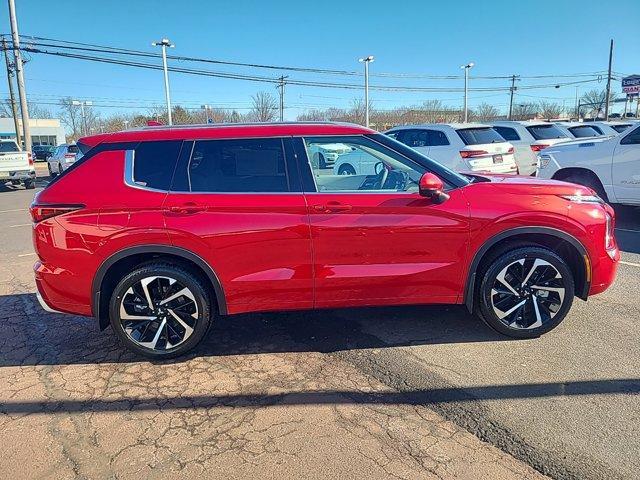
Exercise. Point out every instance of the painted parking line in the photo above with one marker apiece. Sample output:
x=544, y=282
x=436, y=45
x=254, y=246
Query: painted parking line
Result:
x=14, y=210
x=628, y=230
x=26, y=254
x=21, y=225
x=630, y=263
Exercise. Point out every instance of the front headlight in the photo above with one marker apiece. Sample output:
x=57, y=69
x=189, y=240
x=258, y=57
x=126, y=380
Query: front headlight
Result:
x=583, y=199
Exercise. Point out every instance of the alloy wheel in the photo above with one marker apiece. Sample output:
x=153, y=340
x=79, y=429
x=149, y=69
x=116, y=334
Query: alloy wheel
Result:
x=158, y=312
x=527, y=293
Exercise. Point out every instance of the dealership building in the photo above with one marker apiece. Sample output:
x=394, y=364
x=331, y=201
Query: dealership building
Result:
x=44, y=131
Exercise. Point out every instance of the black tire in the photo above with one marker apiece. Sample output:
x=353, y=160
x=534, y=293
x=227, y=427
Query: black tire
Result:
x=133, y=301
x=29, y=184
x=60, y=170
x=588, y=180
x=52, y=174
x=537, y=305
x=346, y=169
x=322, y=163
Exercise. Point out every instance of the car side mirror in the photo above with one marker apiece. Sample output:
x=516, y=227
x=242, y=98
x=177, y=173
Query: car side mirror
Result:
x=430, y=186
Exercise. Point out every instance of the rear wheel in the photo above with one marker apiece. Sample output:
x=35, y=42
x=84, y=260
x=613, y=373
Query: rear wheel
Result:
x=29, y=184
x=588, y=180
x=51, y=172
x=60, y=170
x=525, y=292
x=160, y=310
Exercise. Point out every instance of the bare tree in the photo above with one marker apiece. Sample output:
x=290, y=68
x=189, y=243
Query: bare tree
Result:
x=71, y=116
x=524, y=111
x=593, y=103
x=549, y=110
x=35, y=110
x=265, y=107
x=484, y=113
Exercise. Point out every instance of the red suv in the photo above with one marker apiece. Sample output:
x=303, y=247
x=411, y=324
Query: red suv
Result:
x=157, y=231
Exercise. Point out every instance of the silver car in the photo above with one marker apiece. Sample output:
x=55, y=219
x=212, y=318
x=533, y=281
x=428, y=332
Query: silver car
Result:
x=63, y=157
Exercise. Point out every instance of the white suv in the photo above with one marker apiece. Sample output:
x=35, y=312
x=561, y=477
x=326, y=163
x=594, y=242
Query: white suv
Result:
x=528, y=138
x=609, y=165
x=460, y=146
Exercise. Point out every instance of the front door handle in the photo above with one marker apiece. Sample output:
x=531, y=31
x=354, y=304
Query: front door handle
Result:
x=332, y=207
x=187, y=208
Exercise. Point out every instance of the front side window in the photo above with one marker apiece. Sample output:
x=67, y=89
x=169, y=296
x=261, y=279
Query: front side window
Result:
x=364, y=166
x=153, y=163
x=509, y=134
x=245, y=165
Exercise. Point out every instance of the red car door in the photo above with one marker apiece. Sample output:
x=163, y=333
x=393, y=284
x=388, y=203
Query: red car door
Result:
x=236, y=204
x=375, y=240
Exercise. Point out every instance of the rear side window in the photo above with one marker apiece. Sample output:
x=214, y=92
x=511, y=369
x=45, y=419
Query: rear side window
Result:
x=509, y=134
x=583, y=131
x=73, y=149
x=545, y=132
x=437, y=138
x=620, y=128
x=248, y=165
x=478, y=136
x=6, y=147
x=154, y=163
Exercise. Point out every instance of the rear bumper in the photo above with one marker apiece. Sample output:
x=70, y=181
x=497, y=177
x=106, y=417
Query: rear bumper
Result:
x=50, y=283
x=18, y=175
x=44, y=305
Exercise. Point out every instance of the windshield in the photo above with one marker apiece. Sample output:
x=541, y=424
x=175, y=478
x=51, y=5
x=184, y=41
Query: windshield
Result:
x=545, y=132
x=479, y=136
x=8, y=147
x=584, y=131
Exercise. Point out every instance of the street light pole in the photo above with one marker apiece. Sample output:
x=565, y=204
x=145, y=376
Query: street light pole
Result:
x=26, y=132
x=206, y=111
x=366, y=61
x=12, y=98
x=164, y=43
x=82, y=104
x=466, y=89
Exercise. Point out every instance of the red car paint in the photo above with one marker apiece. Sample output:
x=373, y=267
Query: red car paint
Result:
x=298, y=250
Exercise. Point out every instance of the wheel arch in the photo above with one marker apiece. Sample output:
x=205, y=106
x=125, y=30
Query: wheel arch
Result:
x=137, y=255
x=544, y=236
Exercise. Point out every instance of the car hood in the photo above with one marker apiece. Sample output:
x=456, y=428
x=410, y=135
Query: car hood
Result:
x=514, y=184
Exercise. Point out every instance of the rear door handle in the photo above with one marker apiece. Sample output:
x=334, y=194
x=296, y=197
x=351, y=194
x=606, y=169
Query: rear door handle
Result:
x=332, y=207
x=187, y=209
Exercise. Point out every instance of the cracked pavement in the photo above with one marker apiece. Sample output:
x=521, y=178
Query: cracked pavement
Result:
x=328, y=394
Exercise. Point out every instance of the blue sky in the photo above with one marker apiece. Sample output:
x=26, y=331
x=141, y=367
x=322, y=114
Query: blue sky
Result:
x=417, y=36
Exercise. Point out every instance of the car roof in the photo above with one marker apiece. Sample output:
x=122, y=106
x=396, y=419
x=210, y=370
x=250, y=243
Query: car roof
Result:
x=455, y=126
x=573, y=124
x=228, y=130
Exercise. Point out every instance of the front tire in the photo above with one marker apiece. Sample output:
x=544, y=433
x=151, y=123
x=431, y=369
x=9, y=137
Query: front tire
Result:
x=346, y=169
x=525, y=292
x=160, y=310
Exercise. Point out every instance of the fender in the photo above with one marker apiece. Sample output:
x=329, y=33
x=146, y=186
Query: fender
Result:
x=151, y=248
x=471, y=276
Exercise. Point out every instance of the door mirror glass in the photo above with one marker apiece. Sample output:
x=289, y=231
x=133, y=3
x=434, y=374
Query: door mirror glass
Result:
x=432, y=187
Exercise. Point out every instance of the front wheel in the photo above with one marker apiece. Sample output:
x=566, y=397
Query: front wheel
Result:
x=346, y=169
x=160, y=310
x=525, y=292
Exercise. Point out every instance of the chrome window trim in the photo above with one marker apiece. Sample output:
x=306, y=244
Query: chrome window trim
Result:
x=129, y=162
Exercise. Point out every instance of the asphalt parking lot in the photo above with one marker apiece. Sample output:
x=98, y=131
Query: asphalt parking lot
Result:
x=412, y=392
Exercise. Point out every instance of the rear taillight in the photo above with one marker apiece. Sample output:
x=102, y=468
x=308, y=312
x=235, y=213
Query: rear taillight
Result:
x=42, y=212
x=511, y=150
x=609, y=239
x=536, y=147
x=473, y=153
x=30, y=157
x=69, y=155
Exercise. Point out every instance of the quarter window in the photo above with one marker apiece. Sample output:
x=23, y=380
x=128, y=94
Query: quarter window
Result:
x=251, y=165
x=154, y=162
x=437, y=138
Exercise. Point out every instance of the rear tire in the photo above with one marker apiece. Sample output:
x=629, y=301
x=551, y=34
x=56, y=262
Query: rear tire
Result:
x=29, y=184
x=60, y=170
x=52, y=174
x=588, y=180
x=160, y=310
x=525, y=292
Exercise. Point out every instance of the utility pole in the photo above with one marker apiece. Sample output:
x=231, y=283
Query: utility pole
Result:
x=466, y=67
x=26, y=132
x=82, y=104
x=164, y=43
x=577, y=106
x=366, y=62
x=606, y=105
x=513, y=89
x=12, y=98
x=281, y=91
x=206, y=112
